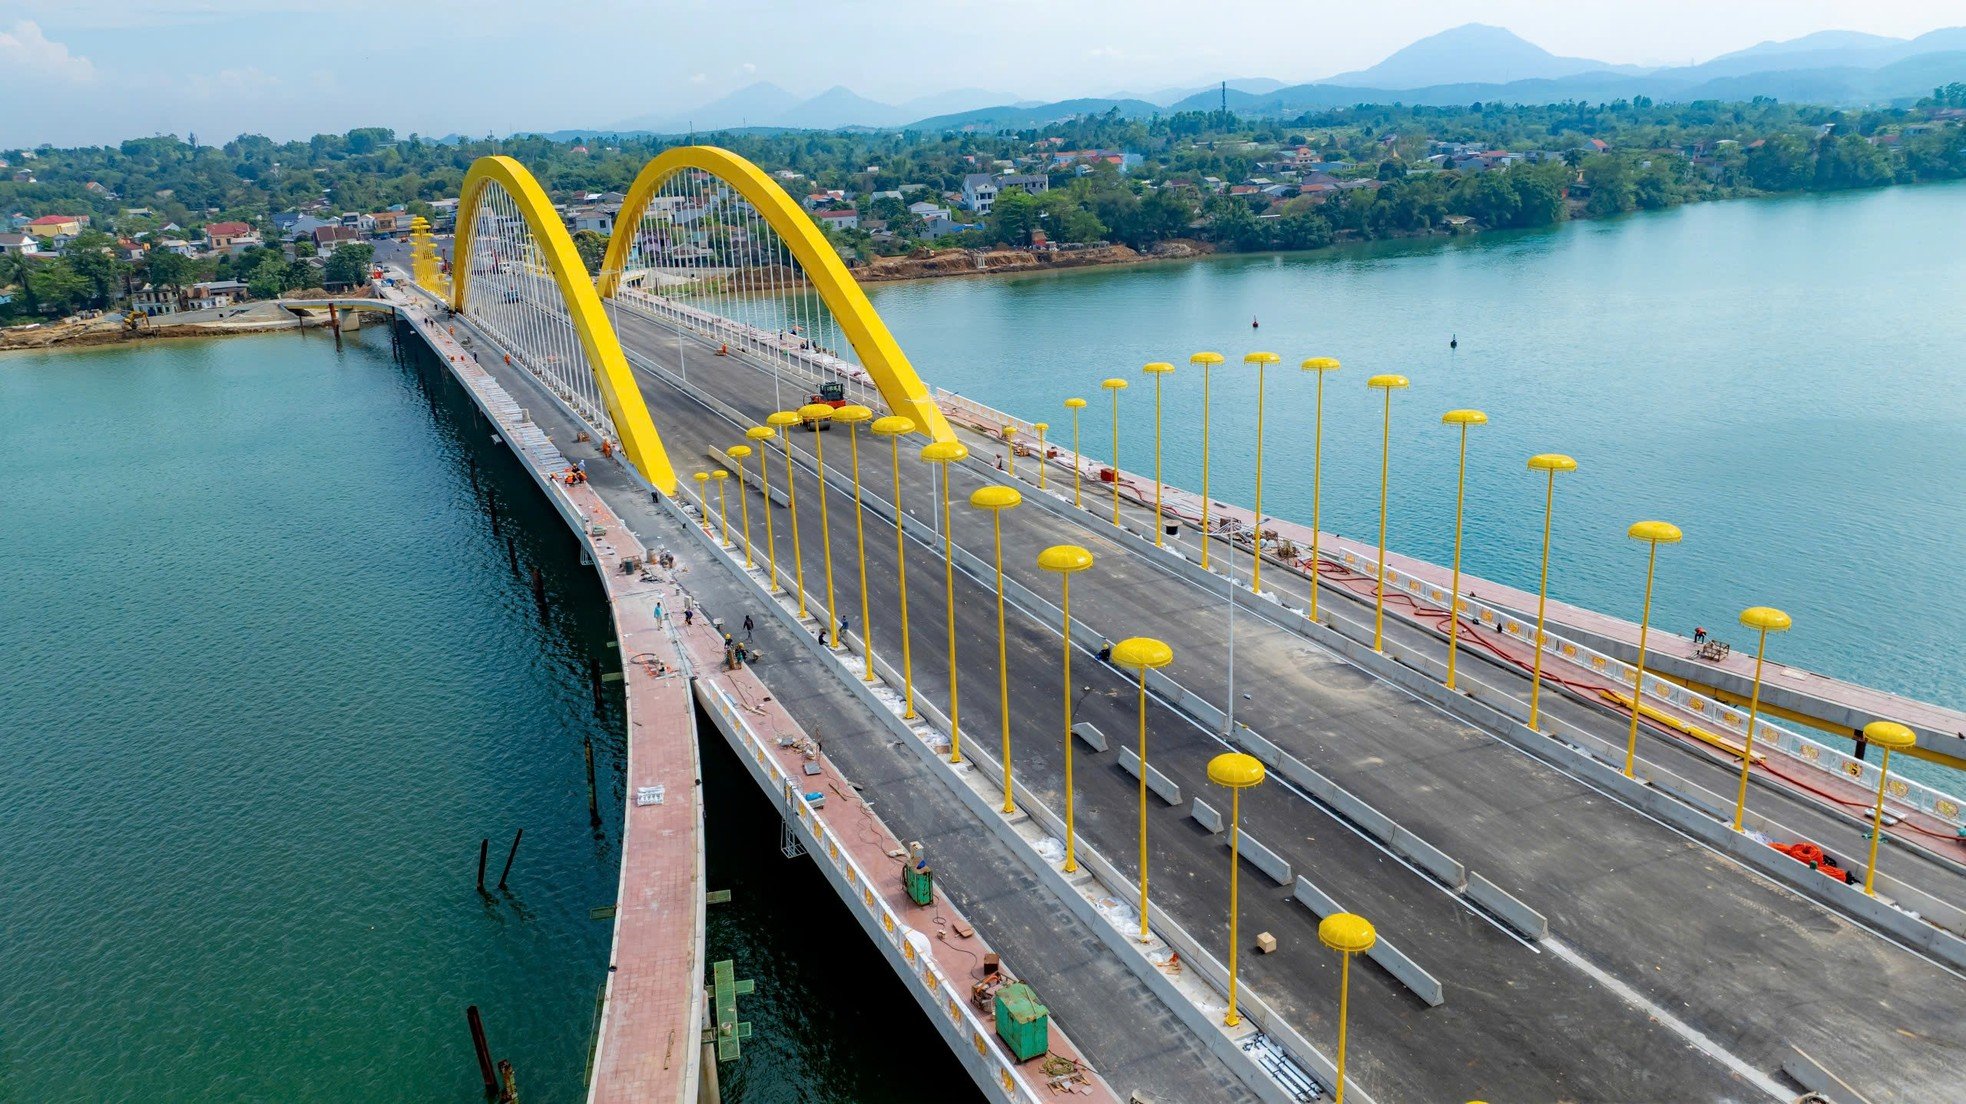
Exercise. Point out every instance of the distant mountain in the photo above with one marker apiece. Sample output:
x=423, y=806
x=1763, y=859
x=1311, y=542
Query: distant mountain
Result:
x=1473, y=53
x=1011, y=117
x=1457, y=66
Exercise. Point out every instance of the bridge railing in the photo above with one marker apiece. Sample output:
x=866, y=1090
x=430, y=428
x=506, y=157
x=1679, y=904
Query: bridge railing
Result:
x=1733, y=721
x=1792, y=745
x=952, y=1004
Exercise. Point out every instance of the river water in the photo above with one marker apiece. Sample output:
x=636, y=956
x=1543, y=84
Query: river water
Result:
x=268, y=681
x=1780, y=378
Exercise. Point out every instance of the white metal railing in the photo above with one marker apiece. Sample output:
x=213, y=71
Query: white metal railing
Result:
x=953, y=1005
x=1791, y=744
x=1794, y=745
x=812, y=365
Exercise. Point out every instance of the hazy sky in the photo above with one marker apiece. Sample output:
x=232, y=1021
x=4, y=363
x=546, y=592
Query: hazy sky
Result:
x=81, y=71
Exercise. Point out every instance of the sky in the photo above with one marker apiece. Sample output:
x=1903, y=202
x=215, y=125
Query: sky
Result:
x=76, y=72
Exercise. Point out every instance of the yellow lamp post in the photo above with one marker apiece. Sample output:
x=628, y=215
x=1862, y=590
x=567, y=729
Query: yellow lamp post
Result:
x=1464, y=419
x=1238, y=772
x=1207, y=360
x=1323, y=366
x=814, y=414
x=1115, y=386
x=851, y=417
x=1157, y=369
x=784, y=420
x=1043, y=460
x=1078, y=469
x=703, y=501
x=943, y=454
x=1142, y=653
x=1067, y=560
x=1763, y=619
x=894, y=427
x=761, y=434
x=1262, y=361
x=1388, y=383
x=1349, y=935
x=723, y=514
x=997, y=499
x=1891, y=736
x=1010, y=448
x=1654, y=534
x=739, y=453
x=1550, y=463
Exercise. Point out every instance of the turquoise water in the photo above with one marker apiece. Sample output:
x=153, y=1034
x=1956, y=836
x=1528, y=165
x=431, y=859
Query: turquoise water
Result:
x=269, y=679
x=1779, y=378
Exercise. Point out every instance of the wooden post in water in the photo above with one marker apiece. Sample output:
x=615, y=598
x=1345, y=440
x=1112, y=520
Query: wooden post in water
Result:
x=539, y=591
x=483, y=1048
x=508, y=1092
x=509, y=856
x=334, y=323
x=512, y=555
x=484, y=852
x=593, y=800
x=594, y=681
x=491, y=508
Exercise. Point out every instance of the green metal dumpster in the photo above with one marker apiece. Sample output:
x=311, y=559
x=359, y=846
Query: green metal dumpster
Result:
x=1022, y=1023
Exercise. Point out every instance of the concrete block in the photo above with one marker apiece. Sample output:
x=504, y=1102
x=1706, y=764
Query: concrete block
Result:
x=1390, y=959
x=1090, y=734
x=1266, y=943
x=1206, y=816
x=1394, y=961
x=1429, y=858
x=1377, y=824
x=1163, y=786
x=1315, y=899
x=1264, y=859
x=1512, y=912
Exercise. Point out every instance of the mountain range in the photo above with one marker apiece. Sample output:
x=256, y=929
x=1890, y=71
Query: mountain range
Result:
x=1462, y=65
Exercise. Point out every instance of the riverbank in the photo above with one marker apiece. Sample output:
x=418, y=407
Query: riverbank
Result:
x=115, y=328
x=923, y=264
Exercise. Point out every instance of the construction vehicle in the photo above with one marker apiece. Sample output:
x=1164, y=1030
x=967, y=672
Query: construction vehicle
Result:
x=831, y=393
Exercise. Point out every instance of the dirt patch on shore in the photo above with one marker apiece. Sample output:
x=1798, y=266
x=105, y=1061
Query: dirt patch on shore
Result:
x=927, y=263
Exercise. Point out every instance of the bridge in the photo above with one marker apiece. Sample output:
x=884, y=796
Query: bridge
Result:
x=1563, y=909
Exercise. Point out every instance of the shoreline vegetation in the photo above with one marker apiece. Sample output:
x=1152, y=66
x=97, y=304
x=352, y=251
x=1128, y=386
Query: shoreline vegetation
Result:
x=166, y=213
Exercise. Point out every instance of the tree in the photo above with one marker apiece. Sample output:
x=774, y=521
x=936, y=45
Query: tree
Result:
x=165, y=269
x=349, y=264
x=1779, y=164
x=91, y=257
x=592, y=248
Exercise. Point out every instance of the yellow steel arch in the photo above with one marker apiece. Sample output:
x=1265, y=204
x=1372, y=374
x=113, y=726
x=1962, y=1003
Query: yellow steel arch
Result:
x=880, y=354
x=639, y=440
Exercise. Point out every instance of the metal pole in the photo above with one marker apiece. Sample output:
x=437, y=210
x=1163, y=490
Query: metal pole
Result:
x=771, y=529
x=1003, y=664
x=1317, y=478
x=1205, y=366
x=1235, y=887
x=1344, y=1007
x=1256, y=541
x=1638, y=684
x=860, y=548
x=1116, y=455
x=1877, y=822
x=1071, y=860
x=1453, y=587
x=1385, y=475
x=949, y=582
x=1158, y=527
x=1144, y=936
x=826, y=542
x=792, y=503
x=901, y=577
x=1747, y=752
x=1542, y=603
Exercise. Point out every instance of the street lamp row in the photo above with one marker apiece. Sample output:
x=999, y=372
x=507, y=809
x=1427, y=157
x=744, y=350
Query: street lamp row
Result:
x=1654, y=533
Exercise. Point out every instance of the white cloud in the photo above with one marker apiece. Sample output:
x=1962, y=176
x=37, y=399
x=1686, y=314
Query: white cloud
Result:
x=228, y=83
x=24, y=49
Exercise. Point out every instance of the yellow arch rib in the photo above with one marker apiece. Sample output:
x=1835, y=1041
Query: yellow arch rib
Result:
x=639, y=440
x=879, y=353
